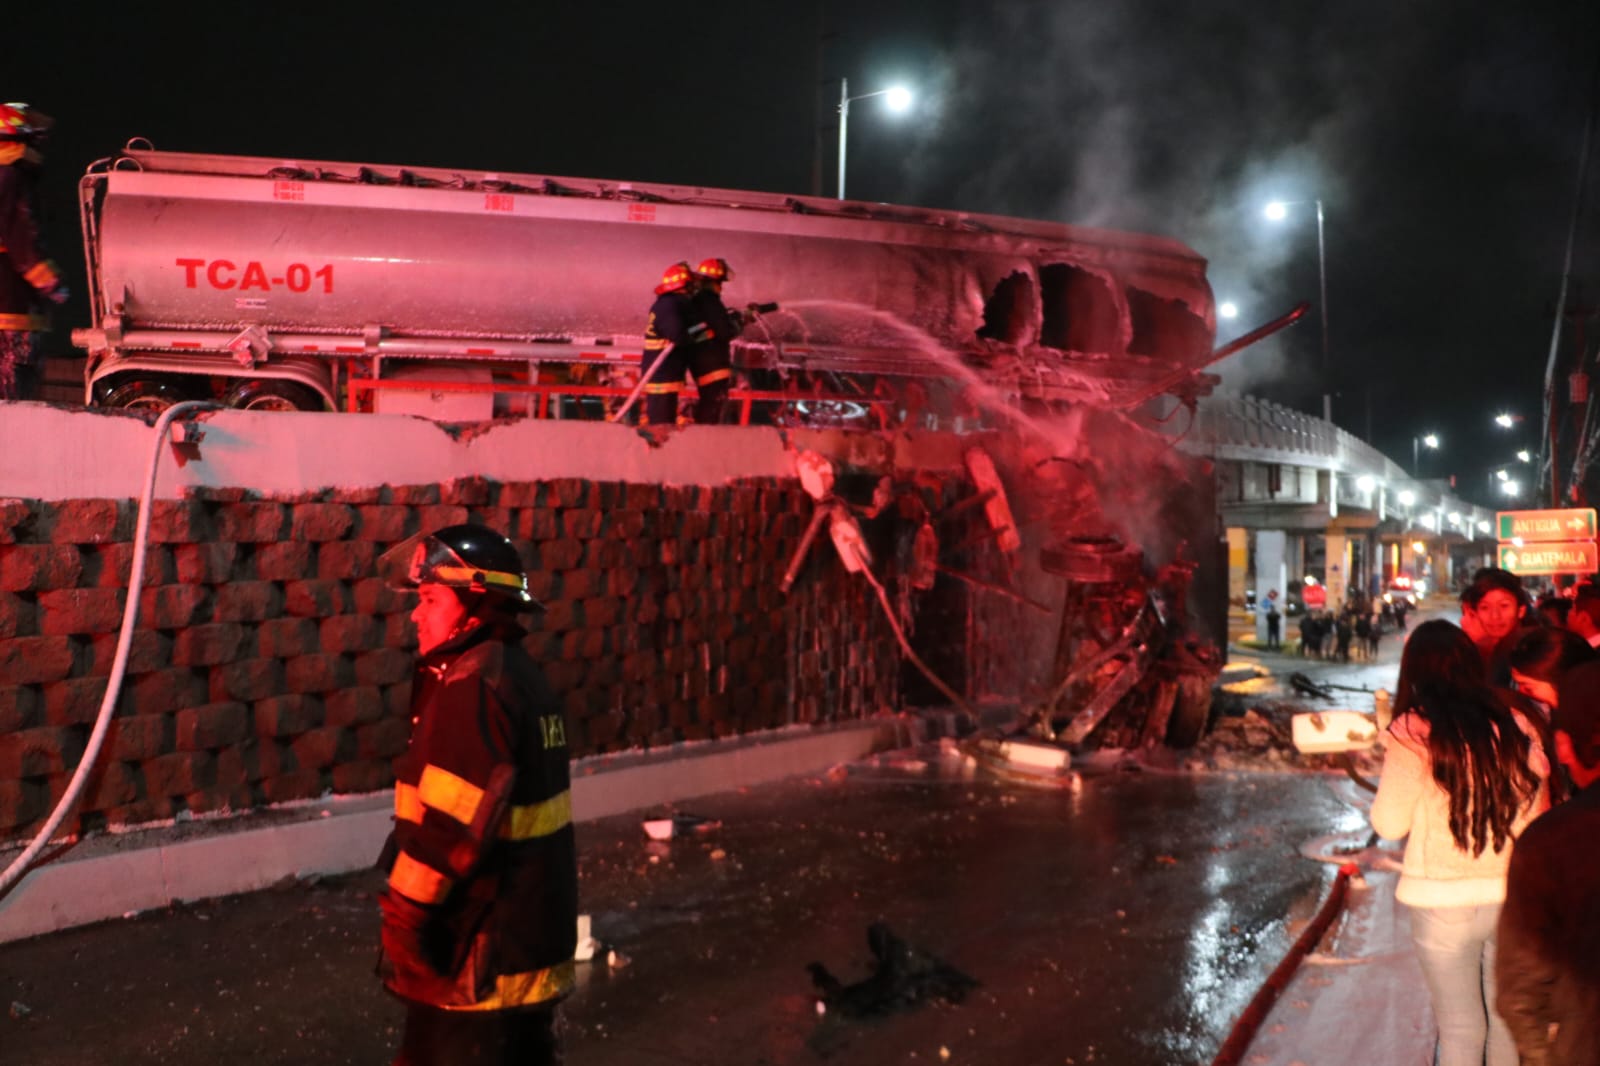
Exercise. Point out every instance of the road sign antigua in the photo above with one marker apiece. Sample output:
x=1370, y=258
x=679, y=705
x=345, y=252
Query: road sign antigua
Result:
x=1573, y=523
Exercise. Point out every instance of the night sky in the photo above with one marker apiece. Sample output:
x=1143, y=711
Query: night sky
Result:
x=1443, y=138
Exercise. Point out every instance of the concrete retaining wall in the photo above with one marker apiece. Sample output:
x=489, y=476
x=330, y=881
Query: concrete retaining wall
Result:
x=269, y=665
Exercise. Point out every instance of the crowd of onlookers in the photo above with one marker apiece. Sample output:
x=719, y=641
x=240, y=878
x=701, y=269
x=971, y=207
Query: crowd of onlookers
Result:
x=1353, y=632
x=1489, y=774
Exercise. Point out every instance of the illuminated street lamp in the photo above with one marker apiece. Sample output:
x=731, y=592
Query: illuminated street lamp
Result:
x=897, y=97
x=1511, y=487
x=1505, y=419
x=1406, y=497
x=1431, y=440
x=1277, y=211
x=1228, y=309
x=1525, y=456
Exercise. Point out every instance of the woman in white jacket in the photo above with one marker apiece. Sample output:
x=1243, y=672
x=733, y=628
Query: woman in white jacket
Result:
x=1463, y=773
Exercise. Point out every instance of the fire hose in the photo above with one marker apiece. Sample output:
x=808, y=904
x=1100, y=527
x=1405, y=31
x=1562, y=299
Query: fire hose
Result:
x=1249, y=1022
x=644, y=379
x=130, y=614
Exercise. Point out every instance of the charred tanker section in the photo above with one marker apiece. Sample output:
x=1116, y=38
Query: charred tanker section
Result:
x=267, y=283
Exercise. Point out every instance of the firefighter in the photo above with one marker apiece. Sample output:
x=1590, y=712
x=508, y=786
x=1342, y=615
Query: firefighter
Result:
x=480, y=911
x=26, y=277
x=711, y=360
x=674, y=331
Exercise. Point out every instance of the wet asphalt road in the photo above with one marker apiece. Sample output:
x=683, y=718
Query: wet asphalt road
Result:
x=1126, y=922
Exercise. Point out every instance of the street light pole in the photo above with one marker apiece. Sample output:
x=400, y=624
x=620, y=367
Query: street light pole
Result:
x=1431, y=440
x=1277, y=210
x=844, y=122
x=899, y=100
x=1322, y=311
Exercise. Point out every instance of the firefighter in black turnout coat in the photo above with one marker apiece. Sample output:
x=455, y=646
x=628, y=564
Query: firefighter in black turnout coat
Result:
x=480, y=912
x=711, y=361
x=27, y=278
x=674, y=330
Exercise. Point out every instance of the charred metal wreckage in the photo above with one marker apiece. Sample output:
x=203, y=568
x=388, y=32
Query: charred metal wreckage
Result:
x=294, y=285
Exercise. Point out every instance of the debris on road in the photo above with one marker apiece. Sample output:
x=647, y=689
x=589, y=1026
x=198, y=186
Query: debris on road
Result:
x=673, y=825
x=904, y=977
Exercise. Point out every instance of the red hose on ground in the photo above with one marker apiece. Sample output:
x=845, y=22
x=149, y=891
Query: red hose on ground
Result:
x=1244, y=1030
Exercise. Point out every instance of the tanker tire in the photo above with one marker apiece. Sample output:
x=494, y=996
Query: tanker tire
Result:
x=146, y=394
x=272, y=395
x=1191, y=711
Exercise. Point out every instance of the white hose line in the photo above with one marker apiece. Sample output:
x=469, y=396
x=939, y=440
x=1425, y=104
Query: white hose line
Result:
x=905, y=646
x=130, y=614
x=644, y=379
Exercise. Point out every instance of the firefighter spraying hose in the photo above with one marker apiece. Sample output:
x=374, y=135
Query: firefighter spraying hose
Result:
x=689, y=332
x=130, y=615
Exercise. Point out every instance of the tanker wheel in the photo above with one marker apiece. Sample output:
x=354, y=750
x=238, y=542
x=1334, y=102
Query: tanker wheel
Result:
x=1191, y=711
x=147, y=394
x=272, y=395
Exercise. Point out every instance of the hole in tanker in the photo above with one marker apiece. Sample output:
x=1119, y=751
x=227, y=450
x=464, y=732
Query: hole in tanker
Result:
x=1080, y=312
x=1011, y=310
x=1166, y=329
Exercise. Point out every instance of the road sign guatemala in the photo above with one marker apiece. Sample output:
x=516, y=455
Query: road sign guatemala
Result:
x=1548, y=542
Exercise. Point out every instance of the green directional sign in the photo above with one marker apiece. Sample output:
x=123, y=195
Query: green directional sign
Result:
x=1550, y=557
x=1572, y=523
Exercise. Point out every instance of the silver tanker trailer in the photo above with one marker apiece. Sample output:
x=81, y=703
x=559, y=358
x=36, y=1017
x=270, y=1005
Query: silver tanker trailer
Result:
x=295, y=284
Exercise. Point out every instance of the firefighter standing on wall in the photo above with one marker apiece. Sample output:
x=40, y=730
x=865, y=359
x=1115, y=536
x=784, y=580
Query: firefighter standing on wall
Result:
x=480, y=912
x=26, y=276
x=675, y=329
x=711, y=360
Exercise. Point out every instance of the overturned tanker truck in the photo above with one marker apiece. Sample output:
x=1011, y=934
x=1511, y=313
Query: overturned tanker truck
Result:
x=272, y=284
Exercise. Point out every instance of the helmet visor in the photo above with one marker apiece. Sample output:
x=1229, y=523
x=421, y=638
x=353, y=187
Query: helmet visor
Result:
x=426, y=560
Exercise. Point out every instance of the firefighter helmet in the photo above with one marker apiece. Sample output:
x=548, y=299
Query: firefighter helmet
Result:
x=470, y=557
x=716, y=270
x=19, y=122
x=675, y=278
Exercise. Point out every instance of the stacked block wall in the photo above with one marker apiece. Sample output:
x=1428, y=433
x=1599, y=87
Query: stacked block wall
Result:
x=270, y=664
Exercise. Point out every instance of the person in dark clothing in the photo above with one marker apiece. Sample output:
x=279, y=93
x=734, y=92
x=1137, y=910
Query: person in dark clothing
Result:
x=1274, y=622
x=674, y=330
x=480, y=911
x=1342, y=632
x=1547, y=969
x=711, y=360
x=1309, y=638
x=1363, y=633
x=27, y=278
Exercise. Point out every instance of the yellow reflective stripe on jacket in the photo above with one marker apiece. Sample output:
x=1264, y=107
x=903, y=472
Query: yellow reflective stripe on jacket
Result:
x=407, y=804
x=527, y=989
x=42, y=275
x=449, y=794
x=418, y=881
x=715, y=375
x=662, y=389
x=538, y=819
x=24, y=322
x=522, y=823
